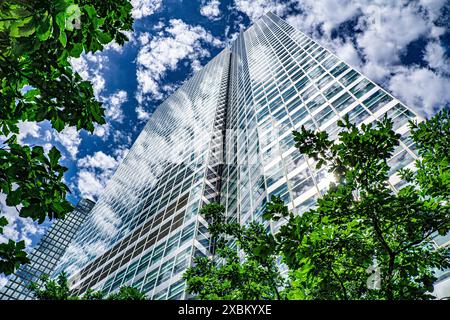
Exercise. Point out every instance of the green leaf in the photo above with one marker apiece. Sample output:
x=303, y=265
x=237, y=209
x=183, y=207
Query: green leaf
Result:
x=3, y=223
x=76, y=50
x=92, y=13
x=45, y=27
x=31, y=94
x=22, y=30
x=63, y=38
x=72, y=15
x=54, y=156
x=35, y=35
x=61, y=21
x=58, y=124
x=61, y=5
x=104, y=38
x=14, y=198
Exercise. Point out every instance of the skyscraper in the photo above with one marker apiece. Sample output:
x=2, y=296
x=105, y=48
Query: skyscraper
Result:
x=145, y=229
x=46, y=254
x=225, y=135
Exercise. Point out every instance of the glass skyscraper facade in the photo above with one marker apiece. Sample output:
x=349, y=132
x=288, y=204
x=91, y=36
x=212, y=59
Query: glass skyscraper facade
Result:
x=282, y=80
x=225, y=135
x=144, y=229
x=46, y=254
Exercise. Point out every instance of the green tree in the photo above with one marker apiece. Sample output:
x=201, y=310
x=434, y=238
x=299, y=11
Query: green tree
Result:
x=48, y=289
x=360, y=224
x=226, y=276
x=362, y=240
x=127, y=293
x=58, y=289
x=37, y=83
x=433, y=144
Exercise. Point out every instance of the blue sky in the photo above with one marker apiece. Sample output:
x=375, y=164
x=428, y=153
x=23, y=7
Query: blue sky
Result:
x=402, y=45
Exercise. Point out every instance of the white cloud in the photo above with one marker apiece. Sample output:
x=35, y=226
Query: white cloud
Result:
x=383, y=31
x=210, y=9
x=386, y=36
x=47, y=147
x=378, y=72
x=433, y=7
x=345, y=50
x=163, y=52
x=113, y=105
x=121, y=153
x=26, y=129
x=102, y=131
x=159, y=25
x=114, y=46
x=122, y=137
x=91, y=67
x=256, y=8
x=144, y=8
x=421, y=89
x=113, y=112
x=89, y=185
x=70, y=139
x=349, y=54
x=436, y=58
x=19, y=228
x=96, y=170
x=99, y=160
x=386, y=28
x=80, y=65
x=142, y=114
x=196, y=65
x=98, y=83
x=326, y=13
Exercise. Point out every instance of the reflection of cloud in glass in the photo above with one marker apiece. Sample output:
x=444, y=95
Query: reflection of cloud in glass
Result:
x=177, y=135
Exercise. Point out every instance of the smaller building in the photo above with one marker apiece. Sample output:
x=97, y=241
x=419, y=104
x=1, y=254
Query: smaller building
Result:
x=47, y=253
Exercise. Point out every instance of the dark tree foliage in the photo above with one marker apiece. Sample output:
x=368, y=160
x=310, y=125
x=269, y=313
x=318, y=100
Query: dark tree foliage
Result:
x=362, y=240
x=127, y=293
x=433, y=144
x=58, y=289
x=225, y=276
x=361, y=226
x=48, y=289
x=37, y=83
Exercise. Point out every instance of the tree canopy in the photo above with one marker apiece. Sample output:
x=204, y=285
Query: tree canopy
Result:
x=362, y=240
x=225, y=276
x=37, y=83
